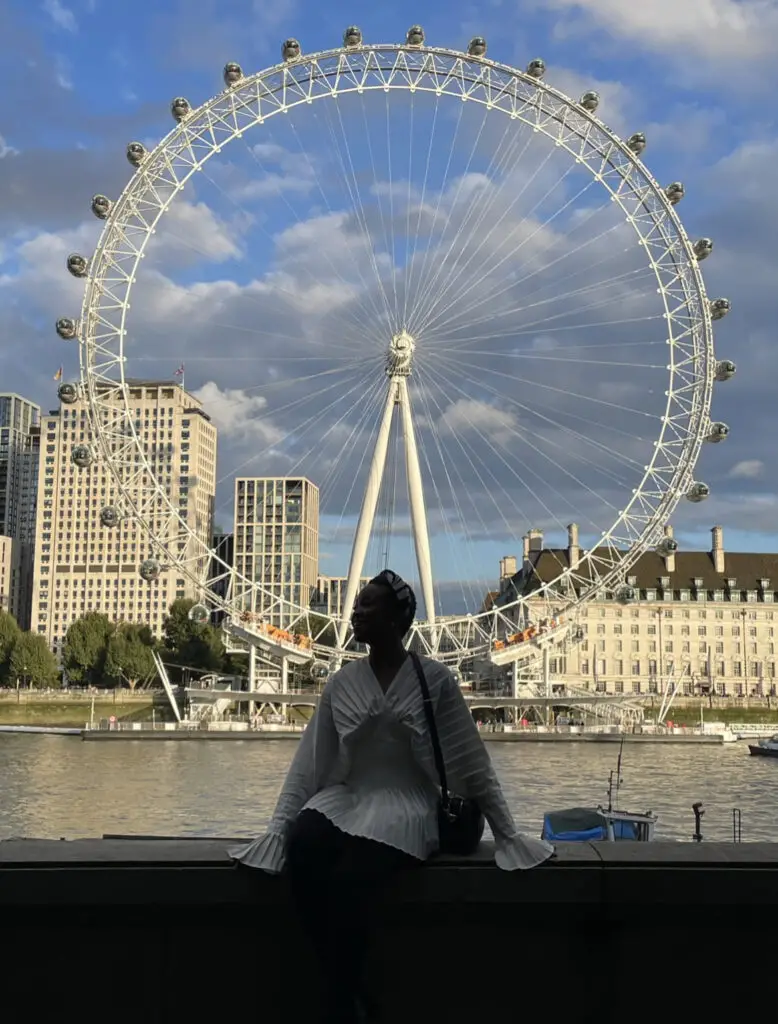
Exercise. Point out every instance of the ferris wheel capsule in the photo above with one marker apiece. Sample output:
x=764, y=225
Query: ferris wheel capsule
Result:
x=415, y=36
x=180, y=108
x=725, y=370
x=698, y=492
x=718, y=432
x=136, y=153
x=703, y=248
x=101, y=207
x=667, y=546
x=477, y=47
x=199, y=614
x=320, y=671
x=291, y=50
x=82, y=457
x=67, y=393
x=675, y=192
x=232, y=73
x=625, y=594
x=150, y=570
x=66, y=328
x=352, y=37
x=77, y=265
x=110, y=516
x=536, y=68
x=590, y=101
x=636, y=143
x=719, y=308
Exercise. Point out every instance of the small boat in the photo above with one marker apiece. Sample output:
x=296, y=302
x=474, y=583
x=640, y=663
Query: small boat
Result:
x=765, y=748
x=597, y=825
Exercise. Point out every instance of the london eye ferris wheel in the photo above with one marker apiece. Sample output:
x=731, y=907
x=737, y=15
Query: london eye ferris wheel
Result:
x=476, y=311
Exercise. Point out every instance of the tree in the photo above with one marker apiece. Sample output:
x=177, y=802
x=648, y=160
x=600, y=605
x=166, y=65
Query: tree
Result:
x=86, y=649
x=130, y=654
x=32, y=662
x=321, y=630
x=9, y=635
x=195, y=645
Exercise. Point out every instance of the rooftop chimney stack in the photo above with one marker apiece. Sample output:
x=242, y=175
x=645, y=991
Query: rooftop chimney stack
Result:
x=573, y=547
x=717, y=549
x=669, y=558
x=525, y=548
x=535, y=538
x=508, y=567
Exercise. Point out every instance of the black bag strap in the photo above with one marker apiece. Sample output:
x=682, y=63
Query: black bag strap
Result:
x=430, y=715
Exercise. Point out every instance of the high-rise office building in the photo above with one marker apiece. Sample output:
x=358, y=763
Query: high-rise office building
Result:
x=277, y=544
x=19, y=451
x=330, y=593
x=81, y=565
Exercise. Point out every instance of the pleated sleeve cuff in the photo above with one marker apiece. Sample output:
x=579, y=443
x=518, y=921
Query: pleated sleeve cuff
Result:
x=267, y=853
x=519, y=852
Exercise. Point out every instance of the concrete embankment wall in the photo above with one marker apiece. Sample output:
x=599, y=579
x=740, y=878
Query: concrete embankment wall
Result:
x=172, y=931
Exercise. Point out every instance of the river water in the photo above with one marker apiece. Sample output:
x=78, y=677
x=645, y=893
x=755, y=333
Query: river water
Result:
x=59, y=786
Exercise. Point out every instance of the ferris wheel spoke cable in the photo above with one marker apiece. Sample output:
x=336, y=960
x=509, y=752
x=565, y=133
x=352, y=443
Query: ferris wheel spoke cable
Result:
x=300, y=430
x=487, y=270
x=361, y=322
x=573, y=434
x=349, y=177
x=499, y=456
x=429, y=317
x=486, y=489
x=613, y=255
x=455, y=545
x=496, y=164
x=419, y=318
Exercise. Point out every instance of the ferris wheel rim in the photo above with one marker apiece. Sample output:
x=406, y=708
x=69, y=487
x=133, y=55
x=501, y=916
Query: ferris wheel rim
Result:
x=619, y=559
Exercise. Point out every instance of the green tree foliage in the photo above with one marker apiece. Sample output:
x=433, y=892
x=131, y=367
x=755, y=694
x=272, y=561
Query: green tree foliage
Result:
x=9, y=635
x=189, y=643
x=86, y=649
x=32, y=662
x=321, y=630
x=129, y=656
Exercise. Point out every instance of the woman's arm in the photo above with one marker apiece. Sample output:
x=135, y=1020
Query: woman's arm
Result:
x=310, y=767
x=470, y=768
x=312, y=763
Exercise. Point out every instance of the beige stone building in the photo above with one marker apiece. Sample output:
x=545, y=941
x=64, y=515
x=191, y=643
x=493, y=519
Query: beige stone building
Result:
x=276, y=538
x=10, y=575
x=329, y=594
x=705, y=619
x=80, y=565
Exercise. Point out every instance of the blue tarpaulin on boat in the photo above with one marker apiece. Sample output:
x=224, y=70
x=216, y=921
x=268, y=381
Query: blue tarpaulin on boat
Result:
x=583, y=825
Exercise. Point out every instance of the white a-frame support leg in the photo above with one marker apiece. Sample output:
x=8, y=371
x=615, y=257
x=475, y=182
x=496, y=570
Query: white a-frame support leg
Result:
x=421, y=537
x=367, y=513
x=397, y=394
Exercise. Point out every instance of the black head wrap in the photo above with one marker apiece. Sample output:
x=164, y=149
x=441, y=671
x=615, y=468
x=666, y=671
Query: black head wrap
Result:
x=404, y=597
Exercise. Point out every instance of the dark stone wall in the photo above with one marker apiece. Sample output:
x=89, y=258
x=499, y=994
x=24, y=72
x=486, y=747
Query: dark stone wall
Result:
x=172, y=931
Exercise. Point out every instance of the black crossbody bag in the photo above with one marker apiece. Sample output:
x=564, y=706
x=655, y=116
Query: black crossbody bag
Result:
x=460, y=820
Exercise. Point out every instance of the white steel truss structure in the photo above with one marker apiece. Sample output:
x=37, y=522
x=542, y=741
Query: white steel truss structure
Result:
x=245, y=105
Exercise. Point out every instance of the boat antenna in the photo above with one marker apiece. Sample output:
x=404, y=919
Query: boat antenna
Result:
x=615, y=778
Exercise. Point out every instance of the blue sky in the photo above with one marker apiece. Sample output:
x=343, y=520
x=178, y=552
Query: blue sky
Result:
x=83, y=78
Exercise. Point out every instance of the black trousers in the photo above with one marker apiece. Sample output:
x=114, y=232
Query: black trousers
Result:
x=336, y=881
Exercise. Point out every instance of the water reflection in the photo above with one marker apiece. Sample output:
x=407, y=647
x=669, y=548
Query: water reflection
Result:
x=56, y=786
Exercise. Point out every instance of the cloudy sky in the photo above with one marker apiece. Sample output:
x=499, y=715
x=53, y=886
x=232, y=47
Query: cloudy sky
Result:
x=282, y=270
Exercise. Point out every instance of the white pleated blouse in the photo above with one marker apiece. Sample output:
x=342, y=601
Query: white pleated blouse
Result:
x=366, y=762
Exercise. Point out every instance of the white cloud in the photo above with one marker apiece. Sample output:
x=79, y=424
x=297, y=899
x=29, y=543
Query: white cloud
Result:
x=749, y=469
x=193, y=231
x=238, y=415
x=62, y=16
x=469, y=415
x=714, y=29
x=6, y=149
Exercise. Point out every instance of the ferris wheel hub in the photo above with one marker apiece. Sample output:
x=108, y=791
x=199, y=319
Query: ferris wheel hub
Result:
x=400, y=356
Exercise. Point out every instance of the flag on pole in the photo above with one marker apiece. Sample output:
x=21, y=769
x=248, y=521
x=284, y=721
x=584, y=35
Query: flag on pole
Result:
x=180, y=371
x=58, y=374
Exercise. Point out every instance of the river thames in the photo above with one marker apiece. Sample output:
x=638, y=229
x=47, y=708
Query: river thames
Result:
x=58, y=786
